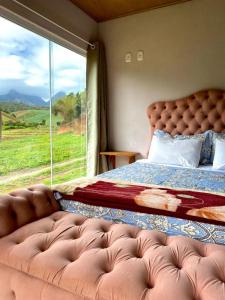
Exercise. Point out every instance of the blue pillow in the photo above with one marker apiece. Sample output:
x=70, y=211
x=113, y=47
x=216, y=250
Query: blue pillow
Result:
x=215, y=135
x=206, y=138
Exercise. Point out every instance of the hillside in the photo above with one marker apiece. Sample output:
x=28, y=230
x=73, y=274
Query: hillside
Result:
x=65, y=109
x=17, y=97
x=13, y=106
x=36, y=116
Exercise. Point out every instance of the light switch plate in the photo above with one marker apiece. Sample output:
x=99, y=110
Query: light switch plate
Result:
x=128, y=57
x=140, y=55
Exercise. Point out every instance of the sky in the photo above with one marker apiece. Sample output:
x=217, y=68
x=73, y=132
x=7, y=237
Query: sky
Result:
x=24, y=63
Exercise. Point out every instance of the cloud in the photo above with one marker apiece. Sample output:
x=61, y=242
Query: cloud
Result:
x=11, y=67
x=24, y=62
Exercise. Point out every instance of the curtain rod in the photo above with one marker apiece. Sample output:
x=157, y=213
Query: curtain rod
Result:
x=47, y=19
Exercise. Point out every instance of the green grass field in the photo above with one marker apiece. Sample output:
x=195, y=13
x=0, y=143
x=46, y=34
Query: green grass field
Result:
x=36, y=116
x=32, y=150
x=60, y=174
x=24, y=151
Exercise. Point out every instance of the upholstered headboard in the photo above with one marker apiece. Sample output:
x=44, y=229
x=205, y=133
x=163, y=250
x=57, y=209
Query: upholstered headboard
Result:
x=196, y=113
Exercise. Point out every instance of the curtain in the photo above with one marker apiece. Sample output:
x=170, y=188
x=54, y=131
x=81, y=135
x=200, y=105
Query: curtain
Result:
x=96, y=109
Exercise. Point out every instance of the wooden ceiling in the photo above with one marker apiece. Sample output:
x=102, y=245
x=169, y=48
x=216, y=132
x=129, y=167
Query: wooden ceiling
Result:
x=103, y=10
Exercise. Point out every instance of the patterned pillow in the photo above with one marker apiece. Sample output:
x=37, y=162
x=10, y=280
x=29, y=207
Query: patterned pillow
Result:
x=207, y=148
x=206, y=138
x=215, y=135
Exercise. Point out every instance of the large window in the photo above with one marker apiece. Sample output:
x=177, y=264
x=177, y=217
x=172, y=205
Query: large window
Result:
x=42, y=110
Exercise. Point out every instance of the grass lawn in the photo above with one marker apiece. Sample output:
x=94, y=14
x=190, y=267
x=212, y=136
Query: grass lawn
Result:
x=60, y=174
x=26, y=152
x=29, y=149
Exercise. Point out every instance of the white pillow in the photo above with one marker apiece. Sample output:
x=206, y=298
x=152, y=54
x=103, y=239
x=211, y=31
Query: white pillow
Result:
x=169, y=151
x=219, y=157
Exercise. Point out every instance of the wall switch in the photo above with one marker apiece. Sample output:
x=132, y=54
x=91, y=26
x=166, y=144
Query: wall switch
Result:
x=140, y=55
x=128, y=57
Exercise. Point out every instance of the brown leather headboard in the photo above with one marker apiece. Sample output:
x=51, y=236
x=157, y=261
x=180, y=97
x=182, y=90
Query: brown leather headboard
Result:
x=196, y=113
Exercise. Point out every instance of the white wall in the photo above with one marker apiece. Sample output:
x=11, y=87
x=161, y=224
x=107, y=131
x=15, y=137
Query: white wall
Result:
x=184, y=48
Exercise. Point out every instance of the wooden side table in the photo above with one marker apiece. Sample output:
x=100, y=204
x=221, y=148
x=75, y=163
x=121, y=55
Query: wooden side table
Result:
x=113, y=154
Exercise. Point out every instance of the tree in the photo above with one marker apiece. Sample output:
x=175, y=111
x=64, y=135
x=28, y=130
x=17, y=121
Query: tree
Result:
x=69, y=107
x=65, y=107
x=78, y=106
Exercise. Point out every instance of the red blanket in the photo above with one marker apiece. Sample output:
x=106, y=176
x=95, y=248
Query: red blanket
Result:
x=194, y=205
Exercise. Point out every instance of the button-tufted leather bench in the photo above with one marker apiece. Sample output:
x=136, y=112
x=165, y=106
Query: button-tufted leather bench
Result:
x=46, y=254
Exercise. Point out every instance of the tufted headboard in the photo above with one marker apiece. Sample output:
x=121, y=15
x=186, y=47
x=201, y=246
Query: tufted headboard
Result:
x=196, y=113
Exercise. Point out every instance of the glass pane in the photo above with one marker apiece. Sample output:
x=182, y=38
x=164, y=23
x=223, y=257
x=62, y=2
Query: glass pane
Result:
x=68, y=114
x=24, y=107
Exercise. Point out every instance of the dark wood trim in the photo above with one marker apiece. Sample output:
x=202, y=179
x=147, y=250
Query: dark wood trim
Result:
x=100, y=19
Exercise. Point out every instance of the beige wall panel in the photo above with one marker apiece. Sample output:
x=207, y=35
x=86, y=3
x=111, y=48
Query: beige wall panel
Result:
x=184, y=51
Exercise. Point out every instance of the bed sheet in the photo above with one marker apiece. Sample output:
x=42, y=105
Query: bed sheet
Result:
x=170, y=176
x=171, y=226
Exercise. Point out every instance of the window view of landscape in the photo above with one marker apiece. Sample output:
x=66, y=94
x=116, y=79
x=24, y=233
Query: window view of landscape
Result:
x=26, y=126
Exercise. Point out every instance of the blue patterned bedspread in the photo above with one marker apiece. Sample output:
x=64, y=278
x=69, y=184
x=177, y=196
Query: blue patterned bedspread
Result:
x=175, y=177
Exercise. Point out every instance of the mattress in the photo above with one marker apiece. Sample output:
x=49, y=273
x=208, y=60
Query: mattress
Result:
x=204, y=179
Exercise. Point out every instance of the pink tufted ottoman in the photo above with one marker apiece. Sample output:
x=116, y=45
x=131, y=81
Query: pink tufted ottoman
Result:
x=54, y=255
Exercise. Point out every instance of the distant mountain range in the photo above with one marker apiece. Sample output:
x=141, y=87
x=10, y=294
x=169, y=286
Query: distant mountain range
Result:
x=31, y=100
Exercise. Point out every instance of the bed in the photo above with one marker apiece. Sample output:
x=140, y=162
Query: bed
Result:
x=73, y=256
x=197, y=113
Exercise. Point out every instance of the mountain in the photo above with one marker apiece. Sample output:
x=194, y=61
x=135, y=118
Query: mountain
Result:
x=58, y=95
x=15, y=96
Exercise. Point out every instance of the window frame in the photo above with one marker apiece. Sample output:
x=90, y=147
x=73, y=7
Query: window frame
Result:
x=47, y=31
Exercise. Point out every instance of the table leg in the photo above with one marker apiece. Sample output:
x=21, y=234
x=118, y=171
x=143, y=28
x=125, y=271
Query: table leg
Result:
x=113, y=161
x=131, y=159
